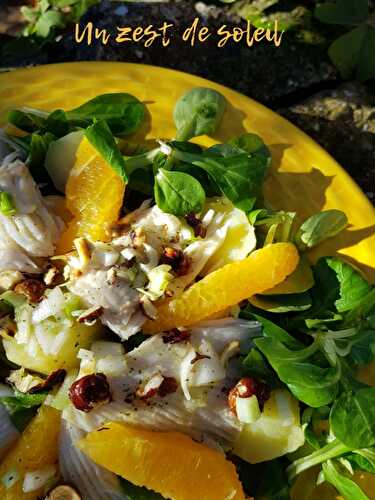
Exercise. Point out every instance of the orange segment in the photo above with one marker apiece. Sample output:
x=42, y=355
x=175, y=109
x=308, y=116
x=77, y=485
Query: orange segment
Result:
x=167, y=462
x=94, y=194
x=227, y=286
x=36, y=449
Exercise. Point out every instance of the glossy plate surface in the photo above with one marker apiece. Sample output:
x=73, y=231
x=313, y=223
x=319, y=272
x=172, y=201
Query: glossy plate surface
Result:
x=304, y=178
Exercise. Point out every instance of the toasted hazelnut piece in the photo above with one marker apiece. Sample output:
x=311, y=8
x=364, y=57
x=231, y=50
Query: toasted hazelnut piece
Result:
x=55, y=378
x=198, y=226
x=90, y=315
x=198, y=357
x=138, y=237
x=89, y=391
x=168, y=386
x=119, y=229
x=33, y=289
x=150, y=388
x=176, y=258
x=157, y=385
x=63, y=492
x=247, y=387
x=50, y=276
x=176, y=336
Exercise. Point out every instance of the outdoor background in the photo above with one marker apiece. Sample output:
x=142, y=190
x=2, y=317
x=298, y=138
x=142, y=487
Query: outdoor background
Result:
x=321, y=77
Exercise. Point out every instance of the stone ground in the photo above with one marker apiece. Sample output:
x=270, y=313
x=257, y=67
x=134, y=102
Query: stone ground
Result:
x=296, y=79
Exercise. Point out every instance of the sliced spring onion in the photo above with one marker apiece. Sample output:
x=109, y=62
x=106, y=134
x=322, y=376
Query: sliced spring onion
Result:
x=7, y=206
x=248, y=410
x=38, y=478
x=10, y=478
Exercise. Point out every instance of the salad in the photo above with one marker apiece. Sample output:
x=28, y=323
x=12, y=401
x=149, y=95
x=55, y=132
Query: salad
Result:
x=163, y=332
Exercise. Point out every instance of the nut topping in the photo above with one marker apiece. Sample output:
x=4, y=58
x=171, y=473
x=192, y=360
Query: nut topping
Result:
x=175, y=336
x=63, y=492
x=90, y=315
x=51, y=275
x=89, y=391
x=33, y=289
x=168, y=386
x=157, y=385
x=176, y=258
x=245, y=388
x=55, y=378
x=197, y=225
x=198, y=357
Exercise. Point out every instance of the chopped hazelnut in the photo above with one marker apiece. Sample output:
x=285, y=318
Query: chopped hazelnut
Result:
x=197, y=225
x=33, y=289
x=245, y=388
x=50, y=276
x=55, y=378
x=175, y=336
x=90, y=315
x=179, y=262
x=63, y=492
x=157, y=385
x=89, y=391
x=198, y=357
x=168, y=386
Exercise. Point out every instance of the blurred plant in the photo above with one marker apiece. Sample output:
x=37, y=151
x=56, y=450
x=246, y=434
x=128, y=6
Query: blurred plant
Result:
x=47, y=15
x=353, y=52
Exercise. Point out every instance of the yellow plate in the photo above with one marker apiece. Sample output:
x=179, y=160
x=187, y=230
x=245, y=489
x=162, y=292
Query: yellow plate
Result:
x=304, y=178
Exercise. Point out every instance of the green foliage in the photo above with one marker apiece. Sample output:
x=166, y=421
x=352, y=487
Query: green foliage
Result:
x=7, y=206
x=100, y=136
x=352, y=418
x=345, y=486
x=198, y=112
x=123, y=113
x=22, y=407
x=352, y=53
x=320, y=227
x=47, y=16
x=178, y=193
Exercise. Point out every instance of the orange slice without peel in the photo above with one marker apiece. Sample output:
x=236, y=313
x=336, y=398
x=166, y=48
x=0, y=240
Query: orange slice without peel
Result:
x=31, y=452
x=94, y=194
x=167, y=462
x=227, y=286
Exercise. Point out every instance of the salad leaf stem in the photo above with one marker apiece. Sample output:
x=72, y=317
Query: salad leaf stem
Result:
x=331, y=450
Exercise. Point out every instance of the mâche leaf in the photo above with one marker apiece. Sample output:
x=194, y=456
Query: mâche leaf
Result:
x=353, y=288
x=38, y=148
x=309, y=383
x=320, y=227
x=28, y=121
x=363, y=459
x=282, y=304
x=100, y=136
x=178, y=193
x=198, y=112
x=274, y=331
x=22, y=407
x=345, y=486
x=251, y=143
x=352, y=418
x=123, y=113
x=342, y=12
x=239, y=177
